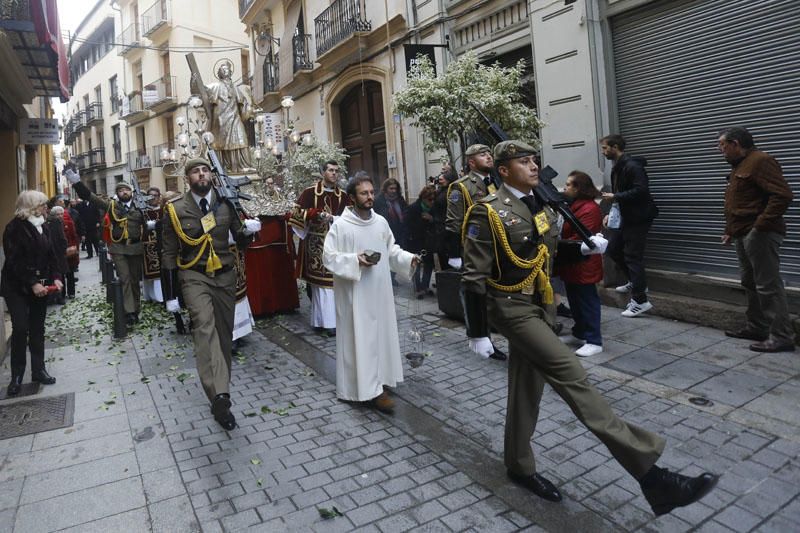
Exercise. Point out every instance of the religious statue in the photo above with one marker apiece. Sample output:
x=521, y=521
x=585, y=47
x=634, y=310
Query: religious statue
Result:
x=230, y=106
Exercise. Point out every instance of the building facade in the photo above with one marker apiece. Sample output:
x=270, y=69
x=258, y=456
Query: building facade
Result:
x=154, y=38
x=93, y=130
x=669, y=76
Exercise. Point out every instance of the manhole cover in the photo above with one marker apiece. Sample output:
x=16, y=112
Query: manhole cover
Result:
x=27, y=389
x=34, y=416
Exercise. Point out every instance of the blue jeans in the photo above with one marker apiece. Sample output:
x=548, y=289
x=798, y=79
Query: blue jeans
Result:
x=585, y=306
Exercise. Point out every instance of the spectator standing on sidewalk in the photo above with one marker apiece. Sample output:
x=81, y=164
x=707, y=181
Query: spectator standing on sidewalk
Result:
x=360, y=251
x=422, y=237
x=58, y=239
x=391, y=205
x=443, y=182
x=72, y=254
x=505, y=282
x=756, y=198
x=30, y=266
x=580, y=278
x=637, y=210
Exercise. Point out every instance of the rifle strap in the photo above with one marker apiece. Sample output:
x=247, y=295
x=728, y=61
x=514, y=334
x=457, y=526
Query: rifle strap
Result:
x=213, y=262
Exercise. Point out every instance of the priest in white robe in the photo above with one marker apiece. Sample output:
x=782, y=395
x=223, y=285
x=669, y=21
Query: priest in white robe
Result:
x=367, y=344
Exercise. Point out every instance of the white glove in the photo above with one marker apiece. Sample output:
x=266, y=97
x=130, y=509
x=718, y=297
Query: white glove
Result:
x=601, y=243
x=72, y=176
x=251, y=226
x=481, y=346
x=173, y=306
x=455, y=262
x=151, y=225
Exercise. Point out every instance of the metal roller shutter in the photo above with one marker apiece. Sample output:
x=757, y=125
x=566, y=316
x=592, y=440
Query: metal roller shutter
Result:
x=685, y=70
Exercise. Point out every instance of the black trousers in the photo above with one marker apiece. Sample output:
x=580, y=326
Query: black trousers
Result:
x=27, y=331
x=92, y=241
x=626, y=247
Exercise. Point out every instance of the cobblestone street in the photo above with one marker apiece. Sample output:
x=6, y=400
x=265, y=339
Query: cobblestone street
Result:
x=144, y=453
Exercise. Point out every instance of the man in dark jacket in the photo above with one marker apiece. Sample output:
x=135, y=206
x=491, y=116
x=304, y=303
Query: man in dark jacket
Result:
x=756, y=198
x=627, y=239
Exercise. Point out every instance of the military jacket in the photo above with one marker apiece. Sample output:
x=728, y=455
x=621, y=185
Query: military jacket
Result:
x=461, y=194
x=189, y=215
x=485, y=257
x=121, y=218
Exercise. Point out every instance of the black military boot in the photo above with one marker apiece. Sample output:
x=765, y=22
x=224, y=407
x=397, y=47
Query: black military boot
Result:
x=665, y=490
x=15, y=386
x=42, y=377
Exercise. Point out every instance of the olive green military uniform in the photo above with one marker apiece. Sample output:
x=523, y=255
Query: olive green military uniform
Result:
x=209, y=294
x=126, y=242
x=536, y=355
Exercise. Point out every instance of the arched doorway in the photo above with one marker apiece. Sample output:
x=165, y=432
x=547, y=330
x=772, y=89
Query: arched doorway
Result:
x=363, y=130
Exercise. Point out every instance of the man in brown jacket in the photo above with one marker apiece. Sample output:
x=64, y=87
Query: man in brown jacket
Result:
x=756, y=198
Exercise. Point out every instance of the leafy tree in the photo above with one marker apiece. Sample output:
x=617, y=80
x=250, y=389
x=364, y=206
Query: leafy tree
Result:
x=442, y=105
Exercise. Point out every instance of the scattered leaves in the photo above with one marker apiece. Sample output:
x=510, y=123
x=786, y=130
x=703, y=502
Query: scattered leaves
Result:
x=328, y=514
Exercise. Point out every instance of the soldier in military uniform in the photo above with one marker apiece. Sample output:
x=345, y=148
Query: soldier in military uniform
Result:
x=196, y=254
x=506, y=273
x=464, y=192
x=128, y=225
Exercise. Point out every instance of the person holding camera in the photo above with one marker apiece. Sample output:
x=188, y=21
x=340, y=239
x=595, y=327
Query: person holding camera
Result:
x=360, y=252
x=30, y=273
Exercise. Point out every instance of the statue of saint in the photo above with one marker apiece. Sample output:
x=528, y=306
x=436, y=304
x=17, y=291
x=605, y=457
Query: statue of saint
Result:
x=230, y=106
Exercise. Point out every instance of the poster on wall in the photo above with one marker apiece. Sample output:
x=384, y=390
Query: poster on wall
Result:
x=38, y=131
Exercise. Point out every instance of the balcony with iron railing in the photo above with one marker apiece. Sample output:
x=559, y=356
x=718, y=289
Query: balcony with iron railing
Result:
x=81, y=160
x=80, y=120
x=159, y=150
x=156, y=16
x=129, y=38
x=341, y=20
x=69, y=132
x=160, y=94
x=301, y=52
x=133, y=109
x=139, y=160
x=94, y=114
x=97, y=158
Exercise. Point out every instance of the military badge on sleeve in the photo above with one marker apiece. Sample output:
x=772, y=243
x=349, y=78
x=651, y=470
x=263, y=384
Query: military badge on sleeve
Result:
x=455, y=197
x=473, y=231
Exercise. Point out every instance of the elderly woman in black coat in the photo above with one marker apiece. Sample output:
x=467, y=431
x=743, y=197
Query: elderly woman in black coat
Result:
x=30, y=271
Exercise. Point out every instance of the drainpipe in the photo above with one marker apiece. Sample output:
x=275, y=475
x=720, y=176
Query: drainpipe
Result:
x=115, y=6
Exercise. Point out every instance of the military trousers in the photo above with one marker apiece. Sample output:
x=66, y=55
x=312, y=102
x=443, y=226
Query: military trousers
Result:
x=211, y=302
x=536, y=357
x=129, y=269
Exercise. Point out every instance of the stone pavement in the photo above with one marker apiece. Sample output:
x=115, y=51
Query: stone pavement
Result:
x=145, y=455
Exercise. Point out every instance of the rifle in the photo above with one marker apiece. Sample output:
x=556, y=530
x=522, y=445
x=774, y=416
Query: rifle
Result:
x=139, y=198
x=227, y=187
x=545, y=192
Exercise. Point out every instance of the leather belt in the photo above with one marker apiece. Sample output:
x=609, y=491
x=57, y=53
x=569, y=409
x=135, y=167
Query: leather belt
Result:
x=202, y=270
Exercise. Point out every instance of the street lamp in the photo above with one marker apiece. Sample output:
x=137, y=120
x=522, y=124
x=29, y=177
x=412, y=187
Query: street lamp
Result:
x=191, y=139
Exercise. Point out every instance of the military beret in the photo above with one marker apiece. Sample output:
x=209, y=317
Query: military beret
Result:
x=195, y=162
x=512, y=150
x=123, y=185
x=476, y=149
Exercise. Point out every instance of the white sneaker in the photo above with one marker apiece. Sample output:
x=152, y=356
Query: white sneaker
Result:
x=636, y=309
x=625, y=288
x=571, y=339
x=588, y=350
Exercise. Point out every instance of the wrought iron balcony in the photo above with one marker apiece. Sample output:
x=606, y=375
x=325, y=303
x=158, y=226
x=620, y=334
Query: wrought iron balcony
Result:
x=270, y=73
x=80, y=120
x=129, y=38
x=338, y=22
x=133, y=109
x=94, y=113
x=160, y=94
x=138, y=160
x=301, y=52
x=96, y=158
x=156, y=16
x=81, y=160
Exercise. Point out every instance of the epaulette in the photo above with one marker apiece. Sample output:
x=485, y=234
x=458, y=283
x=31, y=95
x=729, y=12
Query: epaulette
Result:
x=488, y=198
x=174, y=199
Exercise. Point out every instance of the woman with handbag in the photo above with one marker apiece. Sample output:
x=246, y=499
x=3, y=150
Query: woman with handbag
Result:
x=29, y=274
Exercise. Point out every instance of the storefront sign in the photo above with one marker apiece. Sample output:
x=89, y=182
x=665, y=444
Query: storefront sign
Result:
x=38, y=131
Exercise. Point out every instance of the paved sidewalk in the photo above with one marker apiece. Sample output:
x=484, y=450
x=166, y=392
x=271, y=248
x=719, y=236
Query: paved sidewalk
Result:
x=144, y=453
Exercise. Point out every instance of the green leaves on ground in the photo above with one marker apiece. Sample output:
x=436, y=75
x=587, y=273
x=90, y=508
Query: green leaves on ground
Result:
x=328, y=514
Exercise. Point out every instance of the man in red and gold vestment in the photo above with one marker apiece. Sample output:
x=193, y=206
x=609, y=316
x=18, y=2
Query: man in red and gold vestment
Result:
x=312, y=217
